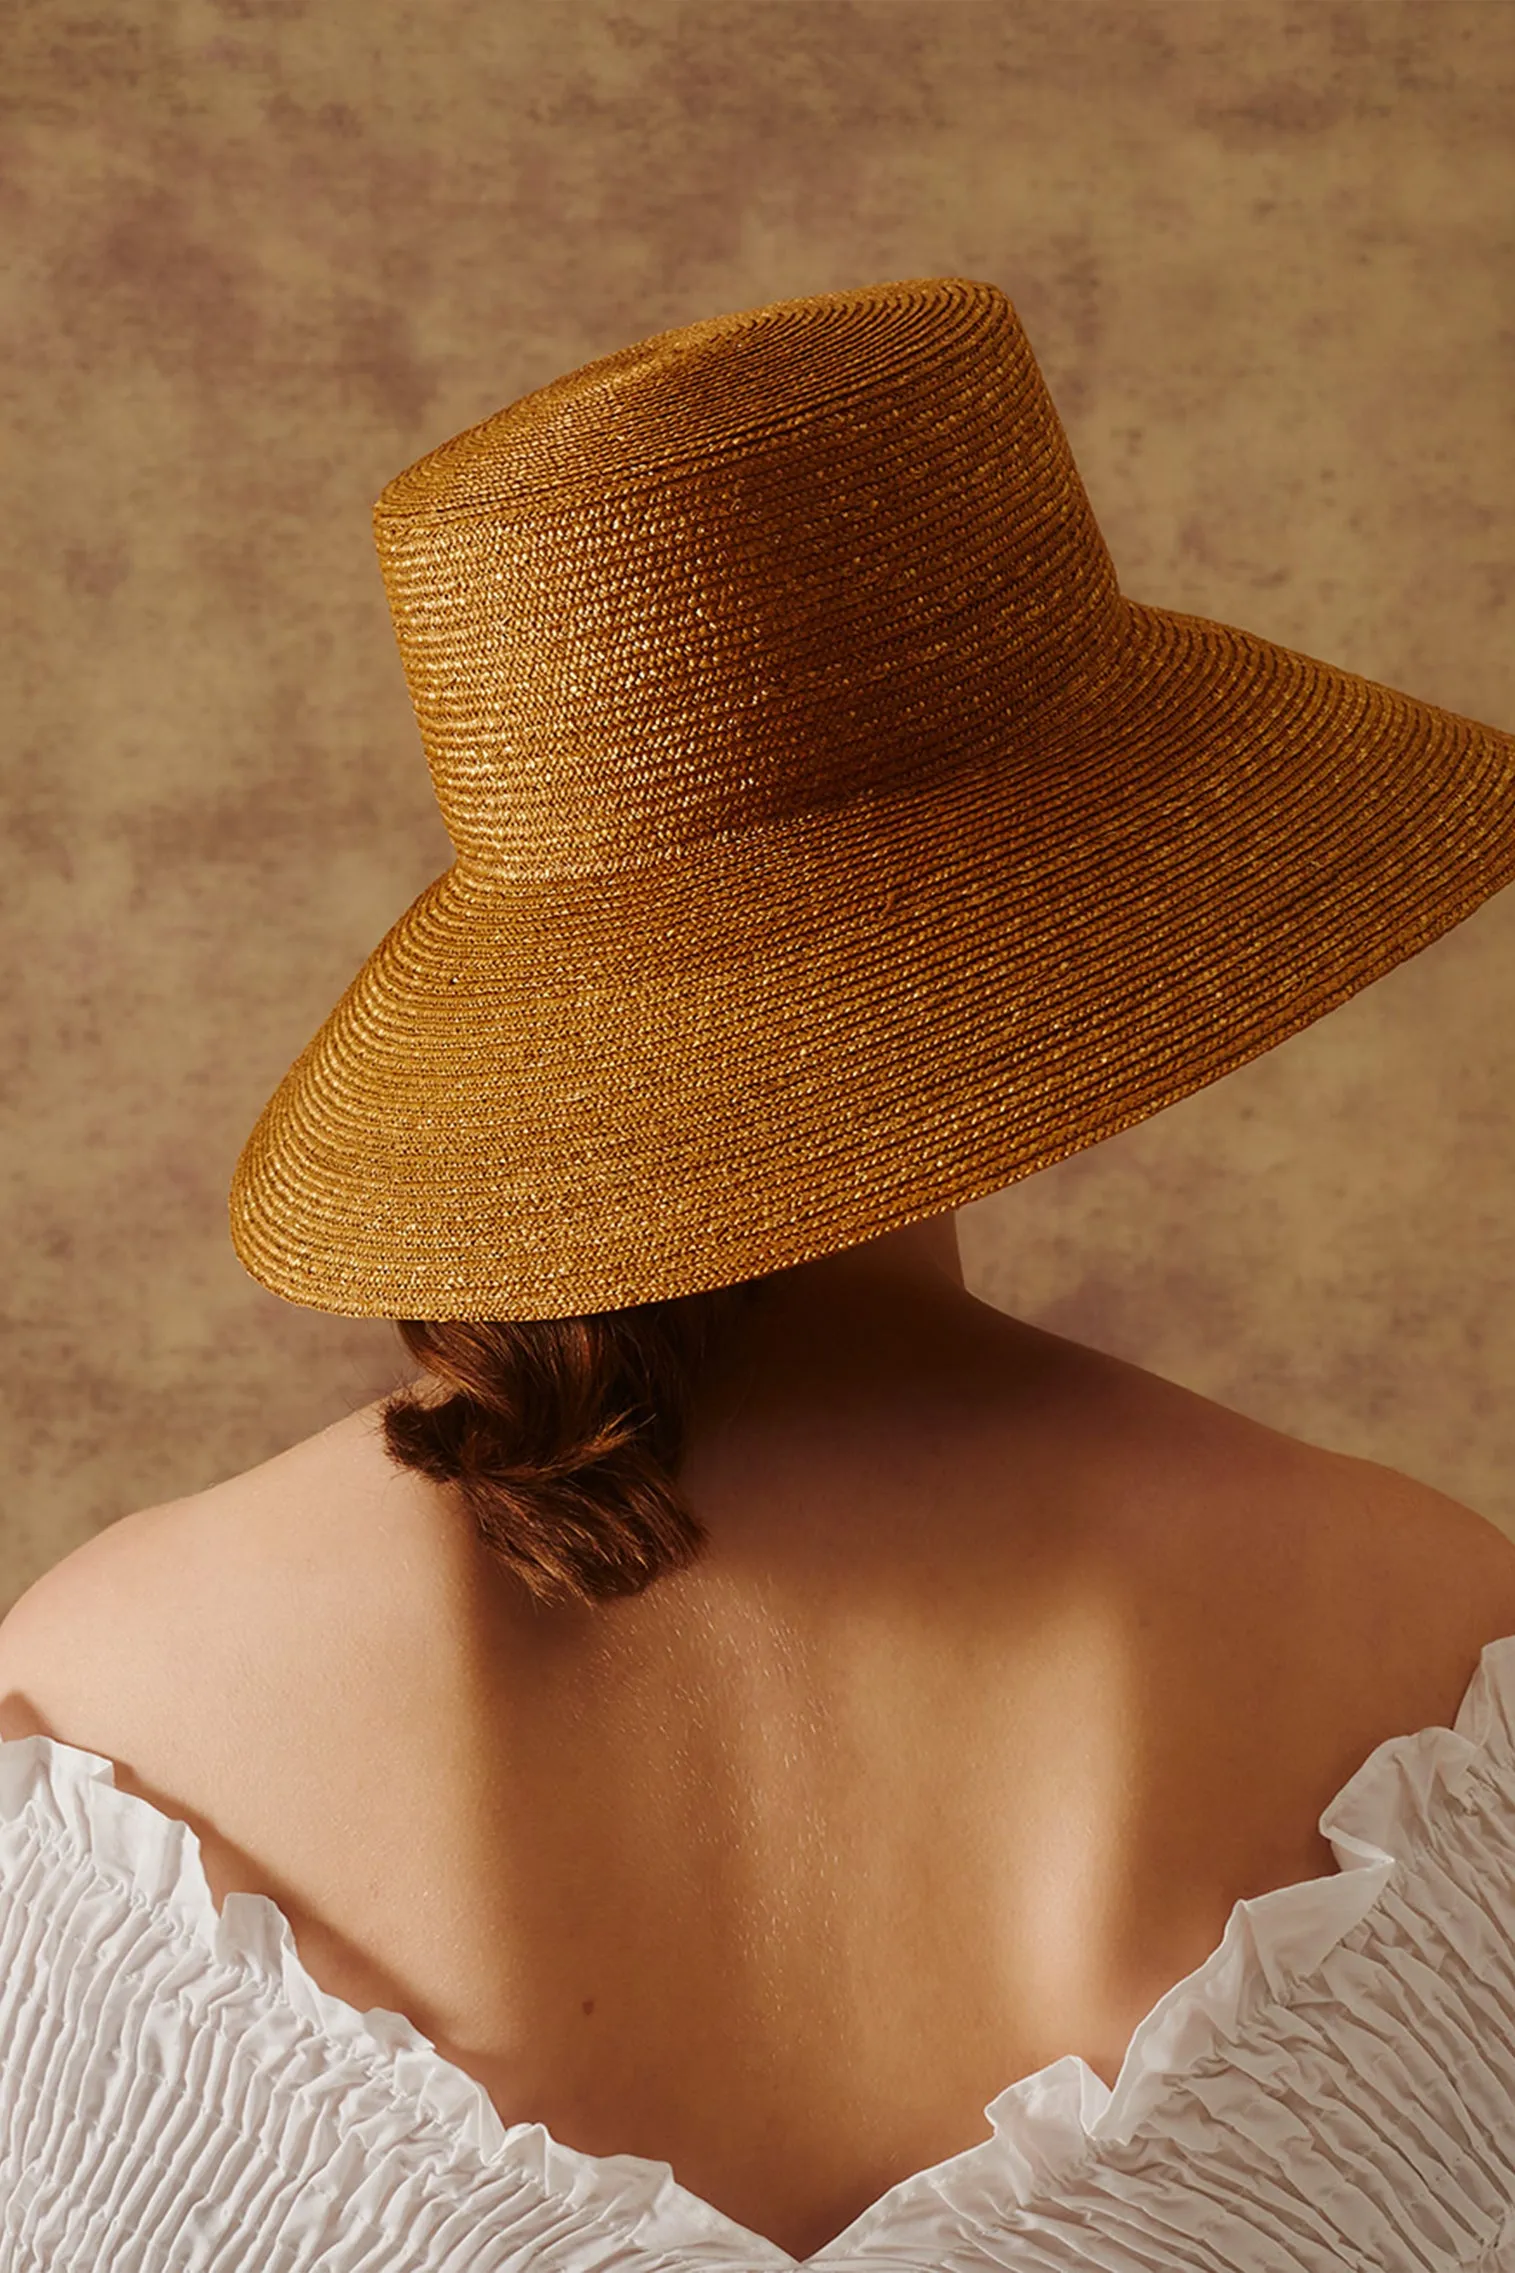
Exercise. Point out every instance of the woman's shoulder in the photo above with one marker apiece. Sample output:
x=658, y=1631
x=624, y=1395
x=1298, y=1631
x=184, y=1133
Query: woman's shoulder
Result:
x=234, y=1579
x=1377, y=1589
x=328, y=1552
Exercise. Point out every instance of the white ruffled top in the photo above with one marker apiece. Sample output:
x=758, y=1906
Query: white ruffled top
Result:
x=1334, y=2087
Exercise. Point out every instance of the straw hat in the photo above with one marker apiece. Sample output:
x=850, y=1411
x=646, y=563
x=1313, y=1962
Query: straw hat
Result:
x=836, y=843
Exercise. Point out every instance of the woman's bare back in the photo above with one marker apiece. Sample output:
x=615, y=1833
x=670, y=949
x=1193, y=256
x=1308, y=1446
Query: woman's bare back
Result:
x=950, y=1757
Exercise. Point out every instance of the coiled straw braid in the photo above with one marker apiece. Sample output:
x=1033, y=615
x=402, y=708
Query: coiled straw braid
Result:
x=565, y=1436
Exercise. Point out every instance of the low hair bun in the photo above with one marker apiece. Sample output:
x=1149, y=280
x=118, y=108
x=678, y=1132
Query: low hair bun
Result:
x=565, y=1436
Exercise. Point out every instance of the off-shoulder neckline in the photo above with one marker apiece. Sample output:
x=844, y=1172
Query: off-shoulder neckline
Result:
x=1042, y=2126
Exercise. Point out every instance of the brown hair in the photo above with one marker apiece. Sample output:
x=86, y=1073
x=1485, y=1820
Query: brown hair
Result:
x=565, y=1435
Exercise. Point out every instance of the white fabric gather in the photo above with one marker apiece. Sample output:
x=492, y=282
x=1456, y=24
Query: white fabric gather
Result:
x=1333, y=2087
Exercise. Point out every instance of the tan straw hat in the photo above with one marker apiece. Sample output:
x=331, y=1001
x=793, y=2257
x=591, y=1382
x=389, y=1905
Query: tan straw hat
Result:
x=836, y=844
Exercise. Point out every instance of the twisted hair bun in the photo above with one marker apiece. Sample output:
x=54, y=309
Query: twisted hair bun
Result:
x=565, y=1436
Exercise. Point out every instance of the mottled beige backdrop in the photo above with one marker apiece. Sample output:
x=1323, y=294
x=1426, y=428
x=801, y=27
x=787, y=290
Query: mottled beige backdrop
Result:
x=261, y=256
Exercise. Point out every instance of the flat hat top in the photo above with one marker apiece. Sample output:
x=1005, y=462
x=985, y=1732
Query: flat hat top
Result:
x=777, y=562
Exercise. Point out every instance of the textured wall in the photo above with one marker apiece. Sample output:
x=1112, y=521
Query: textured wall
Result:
x=264, y=255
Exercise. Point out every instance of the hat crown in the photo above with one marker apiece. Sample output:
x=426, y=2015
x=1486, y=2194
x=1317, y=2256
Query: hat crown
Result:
x=741, y=571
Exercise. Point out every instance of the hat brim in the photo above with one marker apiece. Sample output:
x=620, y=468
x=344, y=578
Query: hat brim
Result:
x=541, y=1100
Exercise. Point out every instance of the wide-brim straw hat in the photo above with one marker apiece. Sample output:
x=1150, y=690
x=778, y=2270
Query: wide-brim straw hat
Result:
x=835, y=842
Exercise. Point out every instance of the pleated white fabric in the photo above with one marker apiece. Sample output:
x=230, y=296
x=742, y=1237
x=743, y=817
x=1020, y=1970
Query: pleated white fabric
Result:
x=1333, y=2087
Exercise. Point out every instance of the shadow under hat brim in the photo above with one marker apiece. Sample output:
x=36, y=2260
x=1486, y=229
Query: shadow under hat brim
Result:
x=537, y=1100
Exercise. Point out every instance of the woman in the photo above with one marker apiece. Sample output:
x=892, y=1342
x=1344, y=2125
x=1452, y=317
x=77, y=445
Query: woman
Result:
x=752, y=1711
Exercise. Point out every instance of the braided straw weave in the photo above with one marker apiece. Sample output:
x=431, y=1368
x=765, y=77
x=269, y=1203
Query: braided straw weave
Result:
x=835, y=843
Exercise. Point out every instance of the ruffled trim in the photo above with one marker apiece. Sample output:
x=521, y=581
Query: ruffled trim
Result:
x=1051, y=2125
x=70, y=1798
x=1045, y=2128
